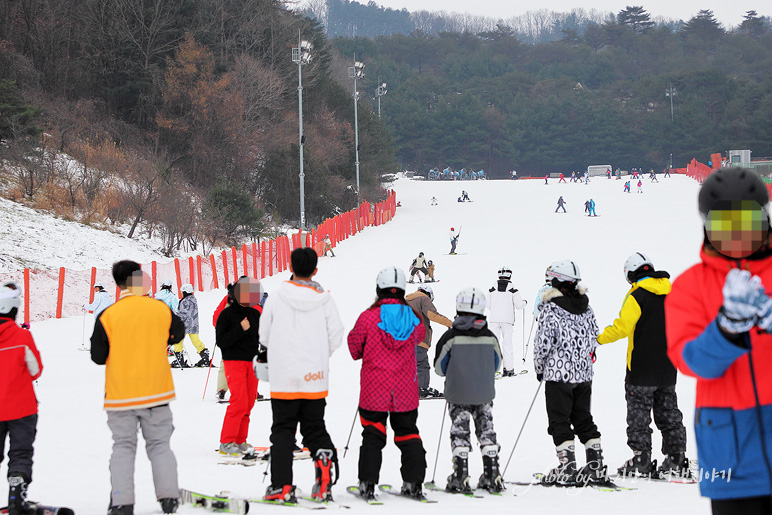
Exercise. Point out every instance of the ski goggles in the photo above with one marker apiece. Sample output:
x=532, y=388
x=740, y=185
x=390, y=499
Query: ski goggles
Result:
x=737, y=228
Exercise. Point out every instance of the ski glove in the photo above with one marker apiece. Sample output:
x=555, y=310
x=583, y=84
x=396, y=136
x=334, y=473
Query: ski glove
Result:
x=744, y=303
x=539, y=377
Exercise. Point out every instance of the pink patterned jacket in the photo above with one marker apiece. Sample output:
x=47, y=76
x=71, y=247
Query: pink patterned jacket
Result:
x=388, y=379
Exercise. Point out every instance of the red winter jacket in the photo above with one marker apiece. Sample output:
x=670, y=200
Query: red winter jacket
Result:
x=388, y=379
x=19, y=365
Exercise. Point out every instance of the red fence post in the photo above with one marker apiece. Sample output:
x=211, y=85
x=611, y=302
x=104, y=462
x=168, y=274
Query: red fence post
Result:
x=270, y=257
x=179, y=276
x=235, y=264
x=192, y=270
x=225, y=266
x=153, y=275
x=93, y=280
x=262, y=259
x=254, y=259
x=214, y=271
x=200, y=274
x=60, y=293
x=26, y=295
x=244, y=258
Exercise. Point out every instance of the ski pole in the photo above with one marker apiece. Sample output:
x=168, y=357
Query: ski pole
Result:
x=521, y=429
x=439, y=441
x=83, y=332
x=209, y=372
x=353, y=422
x=530, y=331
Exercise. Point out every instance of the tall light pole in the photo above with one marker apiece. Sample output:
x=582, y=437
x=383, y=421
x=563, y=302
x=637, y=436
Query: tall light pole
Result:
x=301, y=55
x=356, y=72
x=671, y=92
x=379, y=92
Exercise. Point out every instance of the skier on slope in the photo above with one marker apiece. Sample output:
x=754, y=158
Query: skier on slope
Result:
x=651, y=378
x=434, y=201
x=627, y=187
x=430, y=268
x=168, y=297
x=102, y=300
x=20, y=365
x=503, y=301
x=328, y=245
x=562, y=354
x=418, y=267
x=301, y=328
x=561, y=204
x=587, y=207
x=384, y=338
x=188, y=311
x=454, y=239
x=592, y=208
x=422, y=301
x=468, y=356
x=640, y=186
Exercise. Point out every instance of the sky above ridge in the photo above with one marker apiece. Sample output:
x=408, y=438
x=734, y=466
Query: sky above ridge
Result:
x=728, y=13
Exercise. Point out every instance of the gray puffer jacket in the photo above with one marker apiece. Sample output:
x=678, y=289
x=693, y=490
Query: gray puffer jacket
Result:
x=188, y=311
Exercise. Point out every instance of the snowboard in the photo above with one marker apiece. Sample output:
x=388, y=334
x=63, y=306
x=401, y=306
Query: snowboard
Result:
x=214, y=503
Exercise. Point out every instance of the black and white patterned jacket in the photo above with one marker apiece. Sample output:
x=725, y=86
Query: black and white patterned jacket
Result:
x=565, y=338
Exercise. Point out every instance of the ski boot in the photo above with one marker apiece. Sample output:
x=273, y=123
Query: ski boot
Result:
x=323, y=464
x=230, y=448
x=413, y=490
x=675, y=466
x=204, y=361
x=246, y=448
x=594, y=471
x=640, y=465
x=220, y=395
x=124, y=509
x=491, y=477
x=367, y=490
x=179, y=361
x=281, y=494
x=429, y=393
x=169, y=504
x=565, y=473
x=458, y=481
x=508, y=373
x=17, y=493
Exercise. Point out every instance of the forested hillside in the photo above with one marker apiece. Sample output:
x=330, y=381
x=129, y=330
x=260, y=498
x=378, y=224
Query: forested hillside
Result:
x=490, y=101
x=181, y=116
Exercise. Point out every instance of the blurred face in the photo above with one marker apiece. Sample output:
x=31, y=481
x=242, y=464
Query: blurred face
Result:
x=737, y=228
x=139, y=283
x=247, y=292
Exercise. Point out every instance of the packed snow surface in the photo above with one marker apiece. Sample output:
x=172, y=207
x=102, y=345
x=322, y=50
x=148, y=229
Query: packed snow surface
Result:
x=509, y=223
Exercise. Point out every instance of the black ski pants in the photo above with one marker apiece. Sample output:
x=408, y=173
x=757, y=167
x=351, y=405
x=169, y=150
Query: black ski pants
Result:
x=22, y=433
x=287, y=414
x=746, y=506
x=406, y=437
x=568, y=411
x=662, y=400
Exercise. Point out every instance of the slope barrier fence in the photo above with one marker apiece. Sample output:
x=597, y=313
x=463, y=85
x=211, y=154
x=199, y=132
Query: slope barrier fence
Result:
x=62, y=292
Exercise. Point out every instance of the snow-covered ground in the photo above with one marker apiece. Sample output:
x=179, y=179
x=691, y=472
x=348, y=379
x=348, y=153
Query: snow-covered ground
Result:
x=509, y=223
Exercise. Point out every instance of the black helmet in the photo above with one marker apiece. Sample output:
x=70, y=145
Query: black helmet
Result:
x=731, y=184
x=420, y=254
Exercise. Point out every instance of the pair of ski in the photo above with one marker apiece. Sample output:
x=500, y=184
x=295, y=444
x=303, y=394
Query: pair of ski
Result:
x=469, y=493
x=604, y=486
x=354, y=490
x=223, y=503
x=499, y=375
x=34, y=508
x=259, y=455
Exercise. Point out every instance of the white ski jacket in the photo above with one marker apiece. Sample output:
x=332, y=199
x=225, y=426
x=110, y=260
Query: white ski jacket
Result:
x=503, y=300
x=301, y=328
x=102, y=300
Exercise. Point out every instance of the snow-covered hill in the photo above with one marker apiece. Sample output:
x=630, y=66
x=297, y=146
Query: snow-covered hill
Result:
x=509, y=223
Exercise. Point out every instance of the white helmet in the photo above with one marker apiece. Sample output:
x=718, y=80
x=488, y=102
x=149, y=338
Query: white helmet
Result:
x=634, y=263
x=187, y=288
x=9, y=297
x=99, y=284
x=505, y=272
x=471, y=300
x=167, y=283
x=391, y=277
x=427, y=290
x=564, y=270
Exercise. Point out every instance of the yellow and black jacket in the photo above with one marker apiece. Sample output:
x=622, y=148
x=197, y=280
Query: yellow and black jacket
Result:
x=642, y=322
x=131, y=338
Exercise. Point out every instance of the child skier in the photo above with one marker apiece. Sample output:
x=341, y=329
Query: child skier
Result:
x=561, y=204
x=328, y=245
x=504, y=301
x=434, y=201
x=102, y=300
x=468, y=356
x=454, y=239
x=188, y=310
x=640, y=186
x=237, y=336
x=20, y=365
x=430, y=269
x=422, y=301
x=562, y=356
x=168, y=297
x=301, y=329
x=384, y=338
x=627, y=187
x=651, y=377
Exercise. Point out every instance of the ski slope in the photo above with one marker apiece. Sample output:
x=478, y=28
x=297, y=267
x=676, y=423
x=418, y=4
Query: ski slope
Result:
x=508, y=223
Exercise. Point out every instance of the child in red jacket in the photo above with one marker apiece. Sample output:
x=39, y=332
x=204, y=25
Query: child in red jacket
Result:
x=385, y=338
x=19, y=365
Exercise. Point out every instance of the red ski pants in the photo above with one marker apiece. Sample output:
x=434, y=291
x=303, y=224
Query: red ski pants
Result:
x=243, y=386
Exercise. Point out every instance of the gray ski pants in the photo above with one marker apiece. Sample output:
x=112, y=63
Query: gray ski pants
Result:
x=663, y=402
x=422, y=367
x=156, y=425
